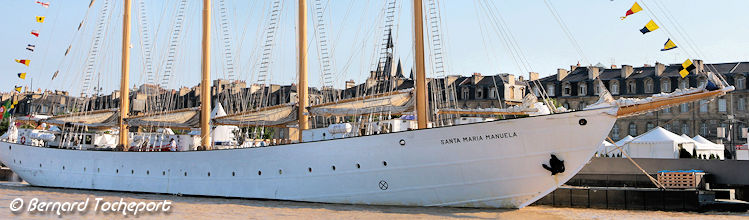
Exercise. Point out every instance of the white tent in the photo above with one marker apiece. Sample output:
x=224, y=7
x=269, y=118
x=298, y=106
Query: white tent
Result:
x=706, y=147
x=222, y=134
x=658, y=143
x=606, y=148
x=624, y=141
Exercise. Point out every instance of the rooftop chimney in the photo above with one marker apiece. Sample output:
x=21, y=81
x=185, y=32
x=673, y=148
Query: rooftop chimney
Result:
x=593, y=72
x=699, y=64
x=510, y=79
x=532, y=76
x=561, y=74
x=350, y=84
x=476, y=78
x=659, y=68
x=626, y=71
x=613, y=66
x=573, y=67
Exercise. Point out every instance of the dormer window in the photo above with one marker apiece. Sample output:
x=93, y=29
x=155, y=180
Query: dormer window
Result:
x=550, y=88
x=583, y=89
x=740, y=82
x=631, y=87
x=649, y=85
x=479, y=93
x=665, y=85
x=566, y=89
x=683, y=83
x=466, y=93
x=614, y=87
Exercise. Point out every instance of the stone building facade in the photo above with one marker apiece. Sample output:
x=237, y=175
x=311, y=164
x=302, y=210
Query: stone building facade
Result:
x=722, y=120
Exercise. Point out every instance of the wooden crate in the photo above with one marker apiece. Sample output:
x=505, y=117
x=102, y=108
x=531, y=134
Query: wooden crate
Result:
x=681, y=180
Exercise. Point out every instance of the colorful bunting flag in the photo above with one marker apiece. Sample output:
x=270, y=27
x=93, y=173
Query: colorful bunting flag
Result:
x=686, y=67
x=5, y=108
x=651, y=26
x=40, y=19
x=19, y=88
x=668, y=45
x=30, y=47
x=55, y=75
x=79, y=25
x=22, y=75
x=44, y=4
x=635, y=8
x=35, y=33
x=24, y=62
x=68, y=50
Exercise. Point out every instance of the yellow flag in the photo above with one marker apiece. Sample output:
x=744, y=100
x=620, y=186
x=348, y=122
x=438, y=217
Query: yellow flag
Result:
x=651, y=26
x=22, y=75
x=18, y=88
x=40, y=19
x=635, y=8
x=686, y=67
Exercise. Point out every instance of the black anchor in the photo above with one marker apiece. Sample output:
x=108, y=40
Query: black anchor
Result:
x=555, y=165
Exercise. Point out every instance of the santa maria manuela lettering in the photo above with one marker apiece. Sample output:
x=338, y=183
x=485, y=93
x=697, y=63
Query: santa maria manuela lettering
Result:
x=486, y=137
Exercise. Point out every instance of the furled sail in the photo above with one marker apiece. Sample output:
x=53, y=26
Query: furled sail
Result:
x=100, y=119
x=183, y=118
x=393, y=102
x=270, y=116
x=530, y=106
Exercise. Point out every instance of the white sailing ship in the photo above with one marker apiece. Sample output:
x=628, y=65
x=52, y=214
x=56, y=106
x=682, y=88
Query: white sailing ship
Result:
x=506, y=163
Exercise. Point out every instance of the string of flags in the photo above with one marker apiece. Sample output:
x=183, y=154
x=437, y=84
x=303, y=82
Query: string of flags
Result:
x=4, y=110
x=651, y=26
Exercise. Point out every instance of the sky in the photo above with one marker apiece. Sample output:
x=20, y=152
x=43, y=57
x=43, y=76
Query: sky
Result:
x=479, y=36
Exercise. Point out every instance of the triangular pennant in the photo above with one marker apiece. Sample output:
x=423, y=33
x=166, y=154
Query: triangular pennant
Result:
x=19, y=88
x=635, y=8
x=55, y=75
x=44, y=4
x=686, y=67
x=35, y=33
x=24, y=62
x=22, y=75
x=649, y=27
x=40, y=19
x=31, y=47
x=668, y=45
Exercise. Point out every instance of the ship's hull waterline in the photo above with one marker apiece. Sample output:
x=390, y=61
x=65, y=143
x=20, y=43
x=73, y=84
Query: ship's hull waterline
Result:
x=492, y=164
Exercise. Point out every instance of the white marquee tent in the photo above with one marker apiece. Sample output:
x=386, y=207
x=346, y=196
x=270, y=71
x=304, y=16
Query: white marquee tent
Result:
x=706, y=147
x=658, y=143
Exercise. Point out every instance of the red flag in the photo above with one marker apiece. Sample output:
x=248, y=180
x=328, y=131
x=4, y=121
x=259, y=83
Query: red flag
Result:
x=35, y=33
x=44, y=4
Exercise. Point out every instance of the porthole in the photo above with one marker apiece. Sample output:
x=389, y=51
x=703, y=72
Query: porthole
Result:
x=402, y=142
x=583, y=122
x=384, y=163
x=309, y=169
x=333, y=168
x=259, y=172
x=233, y=174
x=358, y=166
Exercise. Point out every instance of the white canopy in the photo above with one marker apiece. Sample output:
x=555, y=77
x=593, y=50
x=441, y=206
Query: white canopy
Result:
x=624, y=140
x=222, y=133
x=706, y=147
x=658, y=143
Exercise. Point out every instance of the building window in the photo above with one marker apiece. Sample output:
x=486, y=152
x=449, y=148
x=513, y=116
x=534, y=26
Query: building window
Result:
x=722, y=105
x=665, y=85
x=632, y=129
x=741, y=105
x=566, y=89
x=479, y=93
x=684, y=107
x=703, y=106
x=512, y=93
x=667, y=127
x=631, y=87
x=685, y=128
x=615, y=132
x=648, y=85
x=581, y=106
x=583, y=89
x=703, y=129
x=650, y=126
x=550, y=89
x=566, y=105
x=614, y=87
x=667, y=110
x=684, y=83
x=493, y=92
x=740, y=82
x=466, y=93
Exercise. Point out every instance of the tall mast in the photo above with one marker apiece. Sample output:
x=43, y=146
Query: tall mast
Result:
x=420, y=80
x=205, y=86
x=302, y=87
x=125, y=80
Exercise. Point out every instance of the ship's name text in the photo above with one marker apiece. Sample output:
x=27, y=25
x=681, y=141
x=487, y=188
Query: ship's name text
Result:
x=455, y=140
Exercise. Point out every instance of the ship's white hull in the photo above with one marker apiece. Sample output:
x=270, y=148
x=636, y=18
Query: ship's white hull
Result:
x=491, y=164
